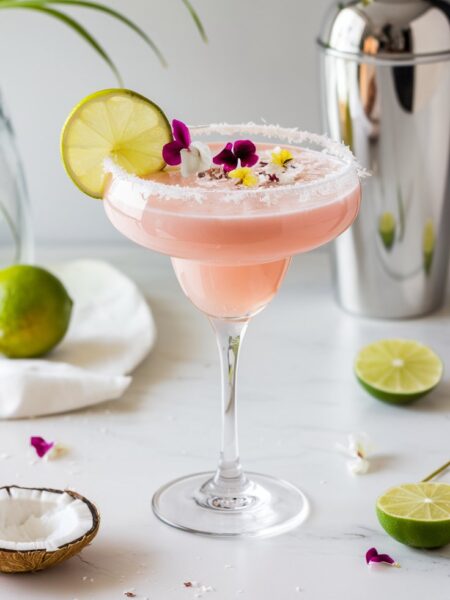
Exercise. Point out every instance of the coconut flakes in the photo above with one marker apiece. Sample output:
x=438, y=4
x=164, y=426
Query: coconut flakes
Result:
x=200, y=588
x=196, y=193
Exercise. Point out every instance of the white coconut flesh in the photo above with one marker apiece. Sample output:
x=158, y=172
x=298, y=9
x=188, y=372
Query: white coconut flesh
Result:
x=41, y=519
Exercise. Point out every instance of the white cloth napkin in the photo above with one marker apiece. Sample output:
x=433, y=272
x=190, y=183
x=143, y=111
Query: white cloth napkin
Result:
x=111, y=332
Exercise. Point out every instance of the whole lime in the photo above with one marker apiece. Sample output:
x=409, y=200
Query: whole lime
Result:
x=35, y=311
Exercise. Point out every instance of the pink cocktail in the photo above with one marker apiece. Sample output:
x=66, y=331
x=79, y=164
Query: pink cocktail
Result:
x=230, y=248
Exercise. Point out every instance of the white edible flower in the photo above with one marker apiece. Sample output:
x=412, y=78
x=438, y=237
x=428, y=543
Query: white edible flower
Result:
x=195, y=159
x=357, y=448
x=358, y=466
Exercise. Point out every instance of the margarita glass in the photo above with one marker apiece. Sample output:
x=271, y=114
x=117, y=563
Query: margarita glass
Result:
x=230, y=248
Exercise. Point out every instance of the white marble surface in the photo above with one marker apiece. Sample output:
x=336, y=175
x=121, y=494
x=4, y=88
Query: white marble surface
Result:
x=298, y=398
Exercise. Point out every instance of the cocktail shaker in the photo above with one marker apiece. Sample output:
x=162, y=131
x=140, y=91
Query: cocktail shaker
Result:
x=385, y=69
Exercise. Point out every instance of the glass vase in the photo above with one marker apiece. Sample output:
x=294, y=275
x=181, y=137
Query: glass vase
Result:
x=16, y=238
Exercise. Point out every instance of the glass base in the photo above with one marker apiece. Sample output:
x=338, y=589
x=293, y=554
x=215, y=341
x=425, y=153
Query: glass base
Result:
x=265, y=506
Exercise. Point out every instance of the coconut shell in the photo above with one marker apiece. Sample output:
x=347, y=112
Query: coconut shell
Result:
x=15, y=561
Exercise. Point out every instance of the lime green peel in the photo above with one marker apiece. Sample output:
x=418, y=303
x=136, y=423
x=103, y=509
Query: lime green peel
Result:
x=116, y=123
x=398, y=371
x=35, y=311
x=417, y=514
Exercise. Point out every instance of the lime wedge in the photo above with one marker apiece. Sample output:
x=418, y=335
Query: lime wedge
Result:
x=398, y=371
x=115, y=123
x=417, y=514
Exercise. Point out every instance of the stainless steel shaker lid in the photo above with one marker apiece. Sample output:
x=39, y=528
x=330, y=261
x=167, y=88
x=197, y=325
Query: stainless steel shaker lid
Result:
x=403, y=31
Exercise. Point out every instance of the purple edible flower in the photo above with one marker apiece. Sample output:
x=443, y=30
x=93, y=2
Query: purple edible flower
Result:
x=182, y=140
x=241, y=150
x=372, y=556
x=40, y=445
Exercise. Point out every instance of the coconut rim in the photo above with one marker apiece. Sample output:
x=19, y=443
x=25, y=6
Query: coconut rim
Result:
x=92, y=508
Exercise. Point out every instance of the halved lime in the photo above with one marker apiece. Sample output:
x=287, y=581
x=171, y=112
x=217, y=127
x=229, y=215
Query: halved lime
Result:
x=398, y=371
x=118, y=123
x=417, y=514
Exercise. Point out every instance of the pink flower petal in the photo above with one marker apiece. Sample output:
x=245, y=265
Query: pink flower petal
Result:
x=372, y=556
x=40, y=445
x=226, y=158
x=386, y=559
x=250, y=160
x=245, y=150
x=171, y=153
x=181, y=133
x=241, y=150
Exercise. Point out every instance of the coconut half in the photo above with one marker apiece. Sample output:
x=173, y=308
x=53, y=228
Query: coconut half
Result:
x=40, y=528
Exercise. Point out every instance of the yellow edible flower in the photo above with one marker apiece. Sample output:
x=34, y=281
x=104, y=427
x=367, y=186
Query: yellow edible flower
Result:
x=245, y=176
x=281, y=157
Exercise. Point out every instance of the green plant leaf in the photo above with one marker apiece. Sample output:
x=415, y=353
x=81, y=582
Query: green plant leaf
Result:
x=44, y=7
x=104, y=9
x=196, y=19
x=69, y=21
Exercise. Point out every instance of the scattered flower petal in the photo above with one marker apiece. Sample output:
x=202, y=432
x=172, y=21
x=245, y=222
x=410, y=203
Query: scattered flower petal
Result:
x=41, y=446
x=245, y=176
x=56, y=451
x=242, y=150
x=203, y=589
x=357, y=449
x=372, y=556
x=371, y=552
x=358, y=466
x=200, y=588
x=359, y=444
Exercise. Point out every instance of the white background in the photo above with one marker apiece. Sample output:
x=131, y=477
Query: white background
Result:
x=261, y=61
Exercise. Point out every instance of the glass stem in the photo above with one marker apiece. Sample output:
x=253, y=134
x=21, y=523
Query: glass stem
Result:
x=229, y=335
